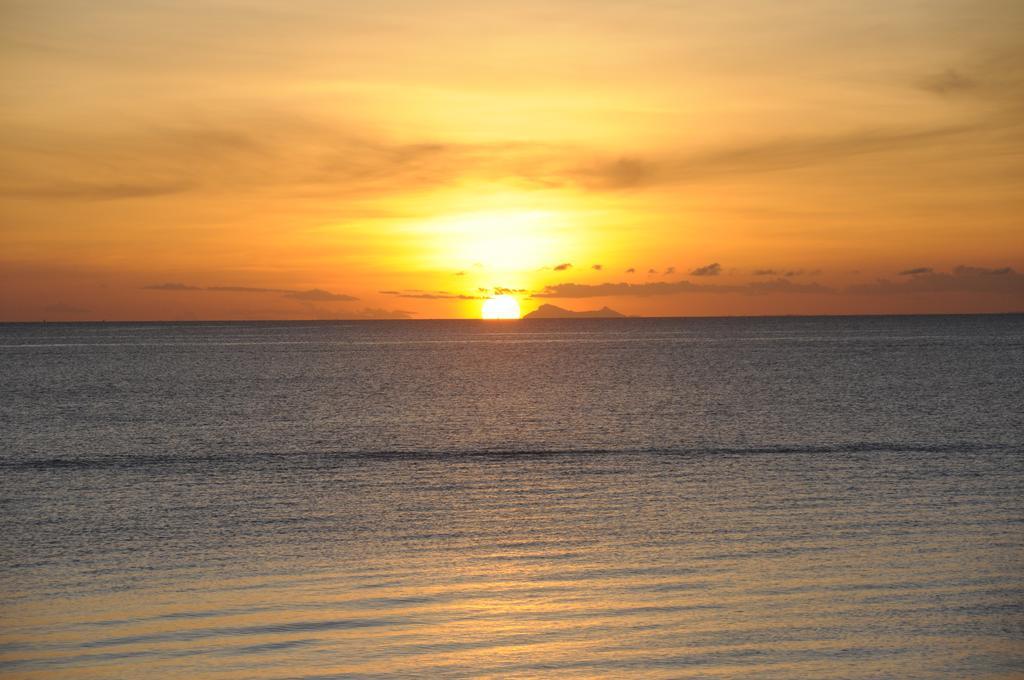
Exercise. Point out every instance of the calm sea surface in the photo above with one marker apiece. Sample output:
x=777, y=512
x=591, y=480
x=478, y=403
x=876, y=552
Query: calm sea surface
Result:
x=771, y=498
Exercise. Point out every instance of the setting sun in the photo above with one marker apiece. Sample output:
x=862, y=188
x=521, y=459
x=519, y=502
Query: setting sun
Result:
x=500, y=307
x=746, y=267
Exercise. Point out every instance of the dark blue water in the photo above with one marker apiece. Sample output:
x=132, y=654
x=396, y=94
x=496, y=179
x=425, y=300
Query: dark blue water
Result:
x=798, y=497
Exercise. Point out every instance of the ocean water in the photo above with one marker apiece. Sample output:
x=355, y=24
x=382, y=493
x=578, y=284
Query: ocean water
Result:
x=713, y=498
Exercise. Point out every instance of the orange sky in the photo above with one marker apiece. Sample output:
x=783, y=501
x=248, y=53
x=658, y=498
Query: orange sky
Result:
x=249, y=159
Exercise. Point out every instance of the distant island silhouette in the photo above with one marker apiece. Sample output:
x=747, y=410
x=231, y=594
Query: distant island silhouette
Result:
x=553, y=312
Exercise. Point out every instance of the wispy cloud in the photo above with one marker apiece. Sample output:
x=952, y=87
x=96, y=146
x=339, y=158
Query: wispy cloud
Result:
x=435, y=295
x=318, y=295
x=563, y=267
x=788, y=273
x=171, y=286
x=84, y=191
x=948, y=82
x=380, y=313
x=770, y=155
x=583, y=290
x=253, y=152
x=963, y=279
x=297, y=153
x=915, y=271
x=311, y=295
x=244, y=289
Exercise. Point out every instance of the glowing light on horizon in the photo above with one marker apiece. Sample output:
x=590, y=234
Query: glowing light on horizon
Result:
x=500, y=307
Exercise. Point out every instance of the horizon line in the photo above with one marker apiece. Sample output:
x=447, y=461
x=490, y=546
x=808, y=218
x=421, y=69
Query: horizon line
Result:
x=568, y=318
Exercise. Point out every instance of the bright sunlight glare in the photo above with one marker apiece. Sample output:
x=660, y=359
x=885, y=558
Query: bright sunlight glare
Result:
x=500, y=307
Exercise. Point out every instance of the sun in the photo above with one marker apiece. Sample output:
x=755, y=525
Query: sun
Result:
x=500, y=307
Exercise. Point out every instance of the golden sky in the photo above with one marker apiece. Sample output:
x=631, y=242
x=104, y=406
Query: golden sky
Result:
x=255, y=159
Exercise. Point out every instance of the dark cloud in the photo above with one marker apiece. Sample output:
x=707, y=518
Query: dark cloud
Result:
x=948, y=82
x=583, y=290
x=318, y=295
x=631, y=270
x=437, y=295
x=563, y=267
x=963, y=279
x=312, y=295
x=579, y=290
x=597, y=267
x=509, y=291
x=670, y=271
x=713, y=269
x=171, y=286
x=916, y=271
x=441, y=296
x=651, y=271
x=766, y=272
x=247, y=289
x=964, y=270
